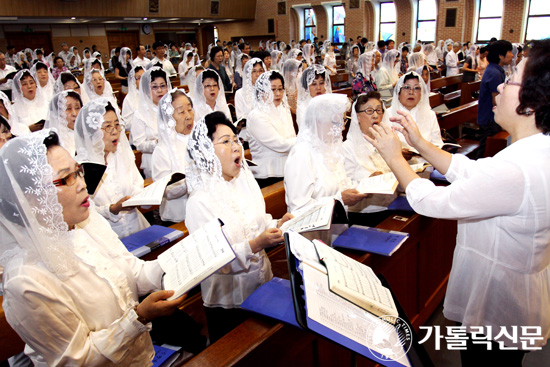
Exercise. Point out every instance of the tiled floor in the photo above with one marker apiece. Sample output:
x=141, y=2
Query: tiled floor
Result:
x=451, y=358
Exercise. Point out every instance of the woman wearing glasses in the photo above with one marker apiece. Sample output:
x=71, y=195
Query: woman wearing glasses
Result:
x=362, y=160
x=221, y=186
x=209, y=95
x=99, y=140
x=499, y=286
x=70, y=287
x=153, y=86
x=411, y=95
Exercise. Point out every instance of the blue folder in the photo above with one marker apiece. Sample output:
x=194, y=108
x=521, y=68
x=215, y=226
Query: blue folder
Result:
x=368, y=239
x=149, y=239
x=401, y=203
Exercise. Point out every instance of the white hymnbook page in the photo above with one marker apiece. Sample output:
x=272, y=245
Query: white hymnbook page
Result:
x=318, y=216
x=382, y=184
x=352, y=279
x=342, y=316
x=151, y=195
x=195, y=258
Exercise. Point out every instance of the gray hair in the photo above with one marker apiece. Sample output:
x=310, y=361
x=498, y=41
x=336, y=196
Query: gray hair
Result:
x=457, y=44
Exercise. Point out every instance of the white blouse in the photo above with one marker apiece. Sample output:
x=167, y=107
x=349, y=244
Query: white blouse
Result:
x=270, y=139
x=429, y=128
x=88, y=319
x=307, y=179
x=27, y=112
x=205, y=109
x=451, y=60
x=114, y=186
x=175, y=197
x=232, y=284
x=242, y=106
x=501, y=266
x=145, y=139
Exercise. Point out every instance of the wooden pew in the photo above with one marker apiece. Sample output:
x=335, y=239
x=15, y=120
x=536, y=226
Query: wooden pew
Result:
x=339, y=78
x=467, y=90
x=496, y=143
x=452, y=121
x=347, y=91
x=451, y=85
x=436, y=99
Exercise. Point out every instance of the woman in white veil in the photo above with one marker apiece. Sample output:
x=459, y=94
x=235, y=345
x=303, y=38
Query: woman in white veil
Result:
x=270, y=128
x=65, y=269
x=96, y=85
x=186, y=63
x=78, y=60
x=276, y=60
x=191, y=78
x=309, y=57
x=63, y=110
x=411, y=95
x=29, y=105
x=244, y=99
x=292, y=71
x=209, y=95
x=330, y=59
x=45, y=80
x=315, y=168
x=86, y=55
x=16, y=128
x=387, y=76
x=221, y=186
x=100, y=139
x=67, y=81
x=175, y=122
x=315, y=81
x=131, y=101
x=153, y=85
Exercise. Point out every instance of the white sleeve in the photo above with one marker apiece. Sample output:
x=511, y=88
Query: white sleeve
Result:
x=139, y=135
x=127, y=114
x=161, y=168
x=496, y=188
x=450, y=61
x=63, y=337
x=169, y=68
x=264, y=132
x=239, y=104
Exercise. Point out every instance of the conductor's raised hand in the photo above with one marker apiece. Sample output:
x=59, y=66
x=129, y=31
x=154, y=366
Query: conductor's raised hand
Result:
x=385, y=141
x=408, y=128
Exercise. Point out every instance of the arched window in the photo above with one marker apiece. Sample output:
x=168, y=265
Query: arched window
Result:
x=425, y=22
x=538, y=20
x=489, y=20
x=338, y=18
x=387, y=20
x=310, y=24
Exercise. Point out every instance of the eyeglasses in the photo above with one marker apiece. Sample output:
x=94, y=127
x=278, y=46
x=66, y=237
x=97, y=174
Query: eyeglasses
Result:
x=155, y=88
x=70, y=179
x=211, y=86
x=229, y=142
x=370, y=111
x=415, y=89
x=109, y=129
x=509, y=82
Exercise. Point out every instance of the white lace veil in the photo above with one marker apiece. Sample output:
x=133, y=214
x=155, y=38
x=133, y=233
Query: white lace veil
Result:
x=239, y=68
x=167, y=129
x=417, y=61
x=276, y=64
x=190, y=80
x=308, y=76
x=263, y=95
x=7, y=104
x=89, y=87
x=133, y=91
x=355, y=136
x=388, y=63
x=147, y=109
x=365, y=64
x=17, y=93
x=32, y=225
x=204, y=172
x=294, y=53
x=325, y=47
x=122, y=57
x=89, y=138
x=199, y=100
x=307, y=51
x=57, y=119
x=48, y=90
x=291, y=73
x=247, y=85
x=59, y=87
x=423, y=106
x=322, y=130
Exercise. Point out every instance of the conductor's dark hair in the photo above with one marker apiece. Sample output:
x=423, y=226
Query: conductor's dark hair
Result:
x=534, y=94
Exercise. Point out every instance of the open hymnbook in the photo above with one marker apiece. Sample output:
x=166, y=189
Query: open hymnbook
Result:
x=315, y=217
x=153, y=194
x=347, y=278
x=195, y=258
x=385, y=183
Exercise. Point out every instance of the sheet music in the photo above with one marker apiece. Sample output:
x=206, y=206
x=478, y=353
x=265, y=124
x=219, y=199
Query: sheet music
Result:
x=317, y=216
x=354, y=276
x=151, y=195
x=194, y=258
x=340, y=315
x=303, y=250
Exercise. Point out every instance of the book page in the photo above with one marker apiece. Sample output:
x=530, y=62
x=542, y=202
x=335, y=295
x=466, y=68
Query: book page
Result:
x=342, y=316
x=195, y=258
x=304, y=250
x=151, y=195
x=350, y=278
x=319, y=215
x=382, y=184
